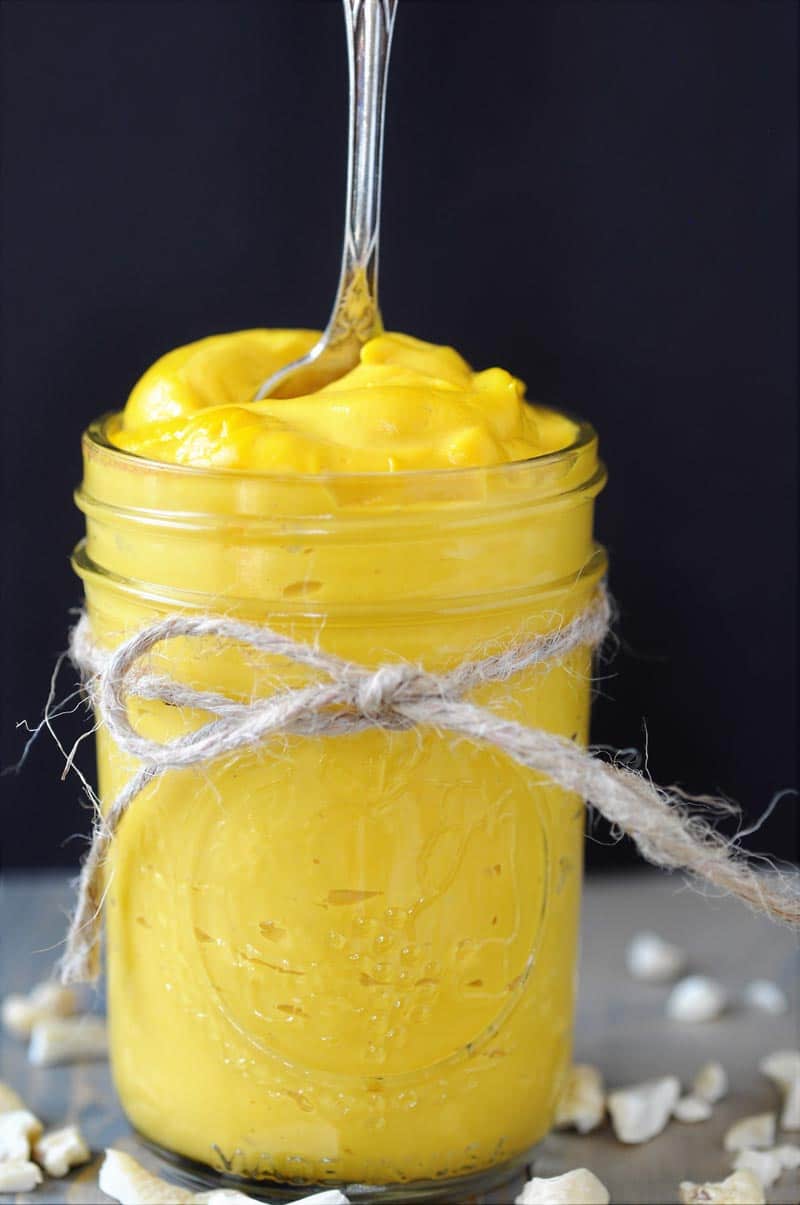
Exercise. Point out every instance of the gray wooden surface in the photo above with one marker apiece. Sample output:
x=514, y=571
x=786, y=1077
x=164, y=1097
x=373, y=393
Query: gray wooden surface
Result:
x=621, y=1027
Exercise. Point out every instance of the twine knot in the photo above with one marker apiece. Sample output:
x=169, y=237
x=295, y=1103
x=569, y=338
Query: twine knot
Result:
x=347, y=698
x=377, y=695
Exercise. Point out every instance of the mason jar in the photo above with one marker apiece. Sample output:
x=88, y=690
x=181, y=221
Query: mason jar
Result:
x=344, y=960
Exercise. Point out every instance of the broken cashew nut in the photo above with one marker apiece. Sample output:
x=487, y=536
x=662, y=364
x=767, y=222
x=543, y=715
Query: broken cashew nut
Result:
x=751, y=1132
x=783, y=1068
x=19, y=1175
x=769, y=1166
x=766, y=997
x=67, y=1040
x=47, y=1000
x=582, y=1103
x=696, y=998
x=765, y=1165
x=18, y=1129
x=579, y=1187
x=651, y=959
x=641, y=1112
x=789, y=1155
x=60, y=1150
x=742, y=1188
x=126, y=1181
x=710, y=1083
x=691, y=1109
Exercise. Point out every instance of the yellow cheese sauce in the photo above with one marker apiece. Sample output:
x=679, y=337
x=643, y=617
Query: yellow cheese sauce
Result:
x=353, y=958
x=406, y=405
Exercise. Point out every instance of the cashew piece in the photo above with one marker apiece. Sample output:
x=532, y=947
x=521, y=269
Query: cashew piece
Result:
x=582, y=1103
x=765, y=1165
x=766, y=997
x=60, y=1150
x=19, y=1175
x=68, y=1040
x=18, y=1129
x=579, y=1187
x=651, y=959
x=640, y=1112
x=20, y=1013
x=126, y=1181
x=742, y=1188
x=710, y=1083
x=783, y=1068
x=789, y=1155
x=696, y=998
x=691, y=1109
x=750, y=1132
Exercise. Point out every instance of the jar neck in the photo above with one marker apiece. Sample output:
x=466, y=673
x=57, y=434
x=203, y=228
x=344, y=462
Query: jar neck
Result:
x=455, y=539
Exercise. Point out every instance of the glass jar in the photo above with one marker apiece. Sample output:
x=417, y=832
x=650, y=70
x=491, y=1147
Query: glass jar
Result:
x=345, y=960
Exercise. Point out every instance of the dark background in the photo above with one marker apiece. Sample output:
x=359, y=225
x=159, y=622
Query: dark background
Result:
x=597, y=196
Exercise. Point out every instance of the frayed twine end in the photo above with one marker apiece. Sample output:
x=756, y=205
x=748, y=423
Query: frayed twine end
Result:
x=351, y=698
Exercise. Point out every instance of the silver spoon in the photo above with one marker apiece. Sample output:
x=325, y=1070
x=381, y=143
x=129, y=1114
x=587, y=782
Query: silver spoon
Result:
x=355, y=317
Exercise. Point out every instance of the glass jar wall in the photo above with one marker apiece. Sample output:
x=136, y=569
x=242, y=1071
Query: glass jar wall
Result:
x=348, y=959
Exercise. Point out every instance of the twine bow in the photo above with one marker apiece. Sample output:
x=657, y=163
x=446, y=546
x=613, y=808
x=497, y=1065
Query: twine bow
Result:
x=350, y=698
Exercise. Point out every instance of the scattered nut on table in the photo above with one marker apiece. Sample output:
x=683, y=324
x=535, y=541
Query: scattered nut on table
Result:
x=696, y=998
x=742, y=1188
x=642, y=1111
x=59, y=1150
x=49, y=999
x=783, y=1068
x=765, y=1165
x=18, y=1130
x=654, y=960
x=19, y=1175
x=68, y=1040
x=692, y=1109
x=582, y=1104
x=710, y=1083
x=766, y=997
x=757, y=1131
x=789, y=1155
x=769, y=1165
x=126, y=1181
x=579, y=1187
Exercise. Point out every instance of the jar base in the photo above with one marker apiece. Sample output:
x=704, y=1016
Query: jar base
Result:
x=453, y=1189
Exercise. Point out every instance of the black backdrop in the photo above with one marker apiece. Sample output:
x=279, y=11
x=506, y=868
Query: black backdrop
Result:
x=598, y=196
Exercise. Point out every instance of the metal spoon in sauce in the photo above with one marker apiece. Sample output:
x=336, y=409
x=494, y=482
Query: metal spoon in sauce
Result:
x=355, y=317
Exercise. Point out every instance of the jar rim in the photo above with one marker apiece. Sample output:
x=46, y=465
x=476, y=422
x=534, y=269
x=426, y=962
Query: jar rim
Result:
x=247, y=521
x=96, y=437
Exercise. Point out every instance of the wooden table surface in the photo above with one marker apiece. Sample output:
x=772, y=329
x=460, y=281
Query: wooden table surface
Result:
x=621, y=1027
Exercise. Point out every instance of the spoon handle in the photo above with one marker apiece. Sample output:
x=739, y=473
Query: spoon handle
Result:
x=355, y=316
x=369, y=25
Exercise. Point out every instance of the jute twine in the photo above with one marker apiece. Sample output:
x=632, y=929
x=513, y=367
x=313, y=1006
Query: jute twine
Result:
x=350, y=698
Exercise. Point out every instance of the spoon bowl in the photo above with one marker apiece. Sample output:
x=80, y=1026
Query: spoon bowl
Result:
x=355, y=317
